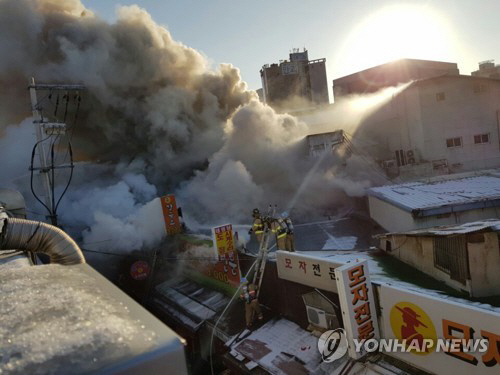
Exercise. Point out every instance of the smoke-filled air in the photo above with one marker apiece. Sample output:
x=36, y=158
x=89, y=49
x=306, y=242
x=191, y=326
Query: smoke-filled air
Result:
x=157, y=118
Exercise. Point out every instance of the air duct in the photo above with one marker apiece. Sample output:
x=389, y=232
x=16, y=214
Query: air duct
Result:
x=39, y=237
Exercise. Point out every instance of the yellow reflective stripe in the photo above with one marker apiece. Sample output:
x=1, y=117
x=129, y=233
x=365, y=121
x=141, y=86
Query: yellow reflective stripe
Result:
x=259, y=231
x=282, y=235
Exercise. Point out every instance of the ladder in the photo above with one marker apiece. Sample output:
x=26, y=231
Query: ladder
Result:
x=260, y=266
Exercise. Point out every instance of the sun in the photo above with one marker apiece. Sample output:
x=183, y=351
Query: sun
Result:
x=402, y=31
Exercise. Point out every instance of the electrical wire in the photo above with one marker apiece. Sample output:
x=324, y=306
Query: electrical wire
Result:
x=189, y=259
x=55, y=157
x=70, y=176
x=31, y=177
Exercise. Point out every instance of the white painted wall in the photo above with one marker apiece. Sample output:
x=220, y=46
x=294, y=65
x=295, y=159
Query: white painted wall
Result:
x=484, y=264
x=415, y=120
x=484, y=261
x=463, y=113
x=390, y=217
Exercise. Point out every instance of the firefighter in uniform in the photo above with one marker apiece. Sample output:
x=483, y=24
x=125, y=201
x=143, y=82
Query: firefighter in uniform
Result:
x=279, y=229
x=252, y=307
x=258, y=225
x=290, y=242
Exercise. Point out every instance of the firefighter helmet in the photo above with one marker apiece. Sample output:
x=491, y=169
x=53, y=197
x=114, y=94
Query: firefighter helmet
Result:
x=255, y=212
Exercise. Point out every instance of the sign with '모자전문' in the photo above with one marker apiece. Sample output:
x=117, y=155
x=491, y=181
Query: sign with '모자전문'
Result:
x=357, y=303
x=314, y=271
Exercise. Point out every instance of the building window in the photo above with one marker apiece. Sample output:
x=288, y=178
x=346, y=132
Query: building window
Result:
x=440, y=96
x=482, y=138
x=454, y=142
x=450, y=256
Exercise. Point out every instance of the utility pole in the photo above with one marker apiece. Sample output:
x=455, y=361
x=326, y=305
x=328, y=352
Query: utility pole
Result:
x=37, y=121
x=46, y=130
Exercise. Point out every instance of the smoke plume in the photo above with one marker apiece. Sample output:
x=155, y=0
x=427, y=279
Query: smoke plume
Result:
x=155, y=119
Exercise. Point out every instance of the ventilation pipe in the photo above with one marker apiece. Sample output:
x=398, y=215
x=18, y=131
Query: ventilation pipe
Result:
x=39, y=237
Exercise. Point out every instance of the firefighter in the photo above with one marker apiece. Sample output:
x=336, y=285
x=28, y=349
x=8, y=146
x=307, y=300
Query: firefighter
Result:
x=290, y=241
x=279, y=228
x=252, y=307
x=258, y=225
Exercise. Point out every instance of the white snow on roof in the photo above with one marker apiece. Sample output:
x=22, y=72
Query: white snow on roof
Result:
x=446, y=230
x=56, y=320
x=379, y=276
x=422, y=195
x=178, y=315
x=340, y=243
x=13, y=259
x=282, y=347
x=190, y=305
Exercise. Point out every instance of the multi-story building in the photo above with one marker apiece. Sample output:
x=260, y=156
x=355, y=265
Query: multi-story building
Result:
x=295, y=83
x=390, y=74
x=439, y=125
x=487, y=69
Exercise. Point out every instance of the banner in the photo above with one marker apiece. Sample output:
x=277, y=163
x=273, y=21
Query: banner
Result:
x=170, y=214
x=227, y=268
x=223, y=239
x=317, y=272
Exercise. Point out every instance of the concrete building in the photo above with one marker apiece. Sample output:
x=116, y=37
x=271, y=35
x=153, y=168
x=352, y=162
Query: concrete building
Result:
x=487, y=69
x=295, y=83
x=320, y=143
x=417, y=205
x=466, y=257
x=436, y=126
x=390, y=74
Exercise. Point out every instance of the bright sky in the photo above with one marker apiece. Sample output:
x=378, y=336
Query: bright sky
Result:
x=351, y=34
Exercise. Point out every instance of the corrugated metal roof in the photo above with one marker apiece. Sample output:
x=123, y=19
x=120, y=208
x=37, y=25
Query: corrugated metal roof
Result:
x=447, y=230
x=472, y=192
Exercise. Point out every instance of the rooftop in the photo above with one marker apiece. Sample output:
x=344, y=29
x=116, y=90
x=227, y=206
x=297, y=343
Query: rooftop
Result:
x=492, y=225
x=439, y=197
x=69, y=319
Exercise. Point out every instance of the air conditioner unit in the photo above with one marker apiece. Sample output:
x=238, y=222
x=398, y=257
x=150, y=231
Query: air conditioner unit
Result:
x=410, y=157
x=317, y=317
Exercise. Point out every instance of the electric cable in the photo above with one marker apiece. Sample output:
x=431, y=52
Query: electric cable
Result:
x=66, y=107
x=32, y=170
x=70, y=176
x=57, y=106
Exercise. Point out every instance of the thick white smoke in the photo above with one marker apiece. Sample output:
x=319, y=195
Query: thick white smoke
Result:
x=155, y=120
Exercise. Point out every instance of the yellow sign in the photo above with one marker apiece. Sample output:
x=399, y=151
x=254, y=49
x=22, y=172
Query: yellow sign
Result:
x=223, y=239
x=411, y=324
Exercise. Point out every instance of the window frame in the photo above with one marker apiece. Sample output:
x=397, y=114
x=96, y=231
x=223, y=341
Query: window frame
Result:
x=481, y=138
x=453, y=141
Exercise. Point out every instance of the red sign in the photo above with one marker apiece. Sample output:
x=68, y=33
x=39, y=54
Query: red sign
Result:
x=227, y=269
x=139, y=270
x=170, y=214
